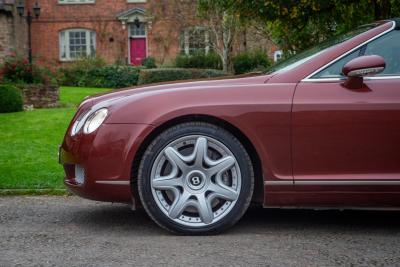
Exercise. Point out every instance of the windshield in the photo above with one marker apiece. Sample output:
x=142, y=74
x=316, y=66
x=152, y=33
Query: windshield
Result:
x=306, y=55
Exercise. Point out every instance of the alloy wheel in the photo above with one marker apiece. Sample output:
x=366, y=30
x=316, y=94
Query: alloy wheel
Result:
x=195, y=180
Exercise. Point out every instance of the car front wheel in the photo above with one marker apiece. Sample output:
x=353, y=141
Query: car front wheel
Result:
x=195, y=178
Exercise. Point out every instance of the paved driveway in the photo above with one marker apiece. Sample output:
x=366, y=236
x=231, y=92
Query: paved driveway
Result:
x=69, y=231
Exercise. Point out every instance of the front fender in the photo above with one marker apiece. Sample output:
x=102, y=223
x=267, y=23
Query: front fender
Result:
x=262, y=112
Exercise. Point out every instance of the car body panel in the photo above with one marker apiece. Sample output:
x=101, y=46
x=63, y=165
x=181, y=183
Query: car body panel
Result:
x=319, y=143
x=107, y=159
x=339, y=133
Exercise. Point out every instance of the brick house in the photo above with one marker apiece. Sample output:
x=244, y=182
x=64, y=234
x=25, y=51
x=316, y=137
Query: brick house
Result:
x=123, y=30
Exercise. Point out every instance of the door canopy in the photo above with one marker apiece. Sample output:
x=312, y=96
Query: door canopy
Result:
x=134, y=15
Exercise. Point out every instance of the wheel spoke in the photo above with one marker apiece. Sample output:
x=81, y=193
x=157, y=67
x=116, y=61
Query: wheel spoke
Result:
x=167, y=182
x=200, y=151
x=176, y=158
x=221, y=165
x=204, y=209
x=222, y=191
x=181, y=202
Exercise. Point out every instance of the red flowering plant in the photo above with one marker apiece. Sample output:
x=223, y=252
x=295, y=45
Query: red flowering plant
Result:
x=18, y=70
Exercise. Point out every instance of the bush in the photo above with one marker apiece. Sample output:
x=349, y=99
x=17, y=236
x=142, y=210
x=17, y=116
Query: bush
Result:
x=17, y=70
x=199, y=60
x=95, y=73
x=10, y=99
x=149, y=63
x=175, y=74
x=250, y=61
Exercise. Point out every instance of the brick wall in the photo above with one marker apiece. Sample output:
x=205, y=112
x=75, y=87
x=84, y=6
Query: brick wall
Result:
x=112, y=41
x=165, y=21
x=111, y=38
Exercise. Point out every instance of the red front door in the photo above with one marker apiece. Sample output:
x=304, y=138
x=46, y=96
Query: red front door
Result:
x=138, y=50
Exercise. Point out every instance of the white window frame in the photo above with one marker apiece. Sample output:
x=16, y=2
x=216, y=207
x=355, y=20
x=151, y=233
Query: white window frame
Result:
x=136, y=1
x=64, y=44
x=186, y=40
x=132, y=25
x=74, y=2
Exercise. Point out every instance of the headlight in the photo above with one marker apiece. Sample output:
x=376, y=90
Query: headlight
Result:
x=80, y=121
x=95, y=120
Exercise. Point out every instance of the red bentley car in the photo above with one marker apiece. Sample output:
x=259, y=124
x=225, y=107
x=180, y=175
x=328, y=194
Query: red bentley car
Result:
x=322, y=129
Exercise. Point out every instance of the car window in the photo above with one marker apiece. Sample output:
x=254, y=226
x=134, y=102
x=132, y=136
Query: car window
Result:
x=335, y=70
x=387, y=46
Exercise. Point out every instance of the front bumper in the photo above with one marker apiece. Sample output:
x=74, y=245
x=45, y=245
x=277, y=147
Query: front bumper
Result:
x=98, y=166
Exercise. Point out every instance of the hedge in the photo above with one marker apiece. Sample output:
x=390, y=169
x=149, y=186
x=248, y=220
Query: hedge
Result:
x=149, y=63
x=10, y=99
x=110, y=76
x=199, y=60
x=176, y=74
x=250, y=61
x=95, y=72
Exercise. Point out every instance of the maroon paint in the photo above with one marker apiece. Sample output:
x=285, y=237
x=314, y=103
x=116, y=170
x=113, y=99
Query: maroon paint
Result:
x=302, y=131
x=361, y=63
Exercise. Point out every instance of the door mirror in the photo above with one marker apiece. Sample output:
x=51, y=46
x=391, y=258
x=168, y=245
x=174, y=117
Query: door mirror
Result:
x=361, y=67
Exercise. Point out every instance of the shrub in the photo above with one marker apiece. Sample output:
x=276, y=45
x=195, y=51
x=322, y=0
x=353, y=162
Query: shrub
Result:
x=95, y=73
x=175, y=74
x=10, y=99
x=149, y=63
x=199, y=60
x=250, y=61
x=17, y=70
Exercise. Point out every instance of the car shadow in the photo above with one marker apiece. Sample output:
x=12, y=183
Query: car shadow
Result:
x=115, y=216
x=261, y=220
x=255, y=221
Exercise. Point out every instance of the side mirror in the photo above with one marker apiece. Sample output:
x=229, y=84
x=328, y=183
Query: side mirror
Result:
x=355, y=70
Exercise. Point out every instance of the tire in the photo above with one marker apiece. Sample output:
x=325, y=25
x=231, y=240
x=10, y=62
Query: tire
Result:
x=195, y=178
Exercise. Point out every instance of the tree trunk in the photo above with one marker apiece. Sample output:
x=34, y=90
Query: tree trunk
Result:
x=382, y=9
x=227, y=61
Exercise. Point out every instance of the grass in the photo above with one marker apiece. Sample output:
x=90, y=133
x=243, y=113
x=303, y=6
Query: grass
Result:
x=29, y=143
x=74, y=95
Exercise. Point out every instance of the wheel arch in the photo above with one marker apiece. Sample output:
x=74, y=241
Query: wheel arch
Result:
x=258, y=194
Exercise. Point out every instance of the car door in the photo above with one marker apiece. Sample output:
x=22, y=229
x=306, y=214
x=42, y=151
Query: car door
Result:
x=346, y=143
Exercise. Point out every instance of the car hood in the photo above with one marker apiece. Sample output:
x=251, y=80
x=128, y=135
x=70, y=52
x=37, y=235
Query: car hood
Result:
x=122, y=94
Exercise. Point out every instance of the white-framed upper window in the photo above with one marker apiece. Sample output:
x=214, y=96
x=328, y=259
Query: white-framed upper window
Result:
x=194, y=40
x=76, y=1
x=137, y=30
x=136, y=1
x=77, y=43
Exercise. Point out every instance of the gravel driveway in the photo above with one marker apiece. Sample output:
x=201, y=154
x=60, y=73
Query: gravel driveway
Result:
x=69, y=231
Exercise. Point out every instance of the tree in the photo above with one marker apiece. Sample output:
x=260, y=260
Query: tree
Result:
x=296, y=25
x=224, y=25
x=177, y=14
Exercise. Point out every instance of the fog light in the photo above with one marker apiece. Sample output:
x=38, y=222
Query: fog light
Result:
x=79, y=174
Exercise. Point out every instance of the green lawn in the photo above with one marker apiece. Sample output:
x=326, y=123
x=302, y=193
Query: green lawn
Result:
x=74, y=95
x=29, y=142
